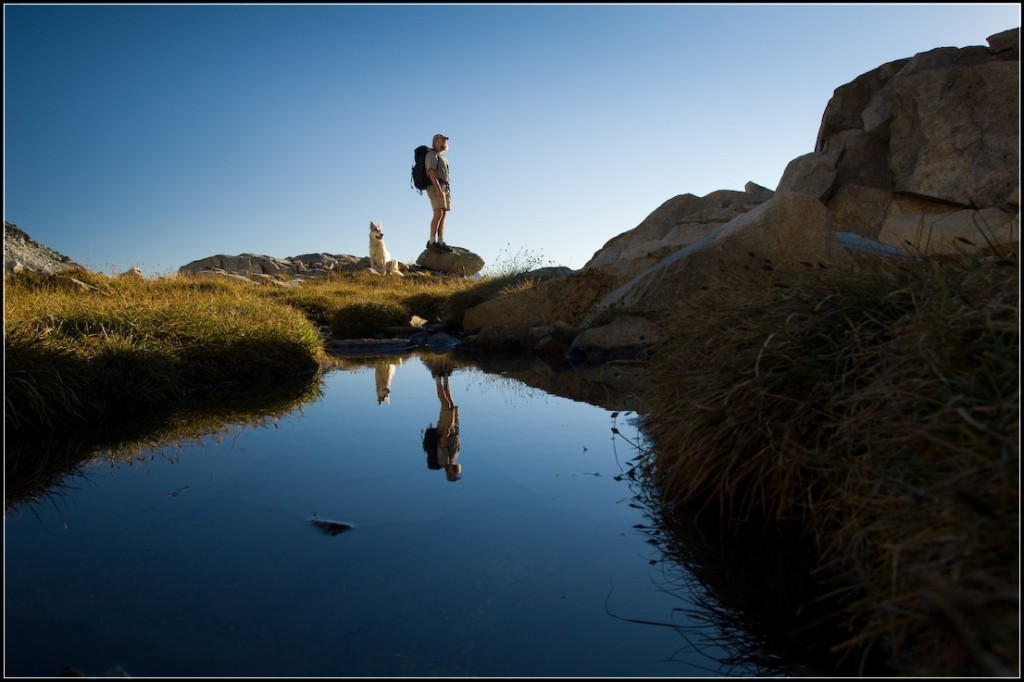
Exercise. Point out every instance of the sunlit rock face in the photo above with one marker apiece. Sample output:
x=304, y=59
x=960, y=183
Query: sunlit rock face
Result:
x=677, y=223
x=923, y=153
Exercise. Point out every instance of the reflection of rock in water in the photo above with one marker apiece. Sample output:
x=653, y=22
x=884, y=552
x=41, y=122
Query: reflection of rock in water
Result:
x=331, y=528
x=753, y=580
x=614, y=385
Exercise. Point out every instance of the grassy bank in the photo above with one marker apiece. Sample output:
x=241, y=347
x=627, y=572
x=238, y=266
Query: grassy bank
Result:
x=81, y=347
x=879, y=410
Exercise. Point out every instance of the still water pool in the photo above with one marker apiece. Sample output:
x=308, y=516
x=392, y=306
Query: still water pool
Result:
x=201, y=560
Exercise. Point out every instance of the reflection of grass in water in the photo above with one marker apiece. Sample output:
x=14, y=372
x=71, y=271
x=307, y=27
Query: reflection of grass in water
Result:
x=706, y=626
x=40, y=471
x=217, y=411
x=39, y=466
x=749, y=590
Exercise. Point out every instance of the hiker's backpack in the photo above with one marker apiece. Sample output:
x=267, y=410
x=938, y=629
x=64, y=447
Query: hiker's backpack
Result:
x=420, y=179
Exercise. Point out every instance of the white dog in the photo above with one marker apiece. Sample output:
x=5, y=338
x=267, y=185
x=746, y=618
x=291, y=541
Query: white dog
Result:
x=380, y=259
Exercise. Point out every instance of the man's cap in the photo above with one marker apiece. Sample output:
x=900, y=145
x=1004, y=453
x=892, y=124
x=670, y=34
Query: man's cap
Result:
x=440, y=135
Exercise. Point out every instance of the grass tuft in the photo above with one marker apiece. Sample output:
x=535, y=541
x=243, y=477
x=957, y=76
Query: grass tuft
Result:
x=879, y=409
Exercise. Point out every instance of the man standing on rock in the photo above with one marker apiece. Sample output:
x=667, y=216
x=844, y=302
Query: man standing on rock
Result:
x=439, y=192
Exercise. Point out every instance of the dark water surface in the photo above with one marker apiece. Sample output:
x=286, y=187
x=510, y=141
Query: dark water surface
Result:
x=201, y=561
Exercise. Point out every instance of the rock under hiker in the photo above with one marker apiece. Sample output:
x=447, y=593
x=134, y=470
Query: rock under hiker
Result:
x=439, y=191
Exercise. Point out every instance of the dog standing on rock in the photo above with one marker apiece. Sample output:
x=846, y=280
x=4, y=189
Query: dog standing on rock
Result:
x=380, y=258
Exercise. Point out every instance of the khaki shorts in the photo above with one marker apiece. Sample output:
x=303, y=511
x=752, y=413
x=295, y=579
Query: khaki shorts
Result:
x=443, y=202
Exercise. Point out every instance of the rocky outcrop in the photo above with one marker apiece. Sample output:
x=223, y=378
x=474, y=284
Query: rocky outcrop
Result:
x=458, y=261
x=677, y=223
x=623, y=338
x=263, y=269
x=922, y=153
x=788, y=230
x=244, y=264
x=918, y=156
x=21, y=252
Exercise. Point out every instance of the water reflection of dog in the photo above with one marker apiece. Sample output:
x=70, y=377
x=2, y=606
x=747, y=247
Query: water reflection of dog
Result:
x=442, y=443
x=384, y=372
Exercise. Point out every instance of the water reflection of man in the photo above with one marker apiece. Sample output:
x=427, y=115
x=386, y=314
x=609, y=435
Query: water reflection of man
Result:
x=442, y=442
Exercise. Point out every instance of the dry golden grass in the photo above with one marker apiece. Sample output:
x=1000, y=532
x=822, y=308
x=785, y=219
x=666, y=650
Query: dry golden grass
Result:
x=360, y=304
x=879, y=409
x=323, y=300
x=75, y=353
x=81, y=346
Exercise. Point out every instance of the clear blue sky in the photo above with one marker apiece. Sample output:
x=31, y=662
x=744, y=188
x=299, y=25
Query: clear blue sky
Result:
x=154, y=135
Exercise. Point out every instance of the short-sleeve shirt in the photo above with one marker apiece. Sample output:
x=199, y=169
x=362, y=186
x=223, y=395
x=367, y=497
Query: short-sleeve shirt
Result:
x=436, y=161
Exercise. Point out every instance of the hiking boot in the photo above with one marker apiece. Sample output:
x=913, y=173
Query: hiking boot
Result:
x=433, y=246
x=444, y=248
